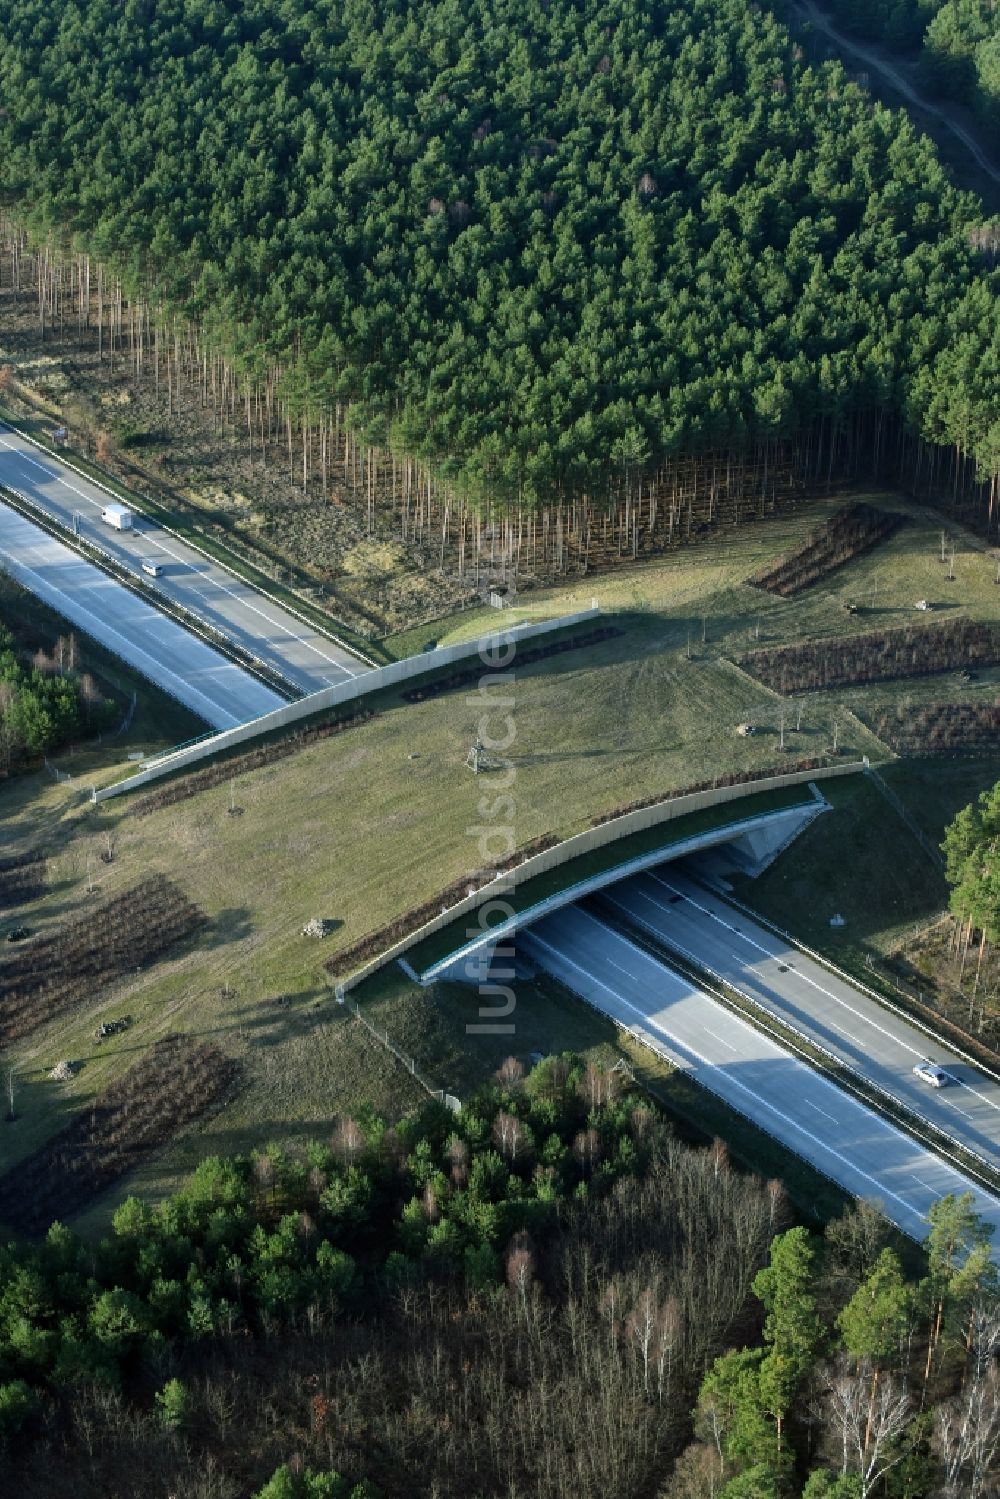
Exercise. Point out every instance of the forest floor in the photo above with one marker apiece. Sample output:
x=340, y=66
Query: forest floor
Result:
x=360, y=828
x=198, y=468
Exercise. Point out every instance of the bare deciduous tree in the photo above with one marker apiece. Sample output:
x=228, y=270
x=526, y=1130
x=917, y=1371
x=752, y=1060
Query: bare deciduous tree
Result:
x=521, y=1271
x=509, y=1135
x=869, y=1420
x=698, y=1474
x=263, y=1170
x=587, y=1148
x=598, y=1086
x=641, y=1329
x=967, y=1435
x=510, y=1073
x=458, y=1158
x=432, y=1208
x=348, y=1140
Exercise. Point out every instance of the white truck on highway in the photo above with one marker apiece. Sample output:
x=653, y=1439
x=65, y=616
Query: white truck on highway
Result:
x=119, y=516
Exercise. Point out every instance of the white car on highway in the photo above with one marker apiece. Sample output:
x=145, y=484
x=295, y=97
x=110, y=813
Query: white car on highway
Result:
x=931, y=1074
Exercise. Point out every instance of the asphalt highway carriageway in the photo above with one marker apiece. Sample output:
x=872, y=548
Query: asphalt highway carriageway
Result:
x=842, y=1137
x=306, y=658
x=191, y=671
x=865, y=1035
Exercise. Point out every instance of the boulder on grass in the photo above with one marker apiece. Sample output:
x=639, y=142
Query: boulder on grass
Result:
x=318, y=927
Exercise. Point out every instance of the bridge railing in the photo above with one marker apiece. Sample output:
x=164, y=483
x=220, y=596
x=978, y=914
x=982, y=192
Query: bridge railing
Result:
x=363, y=685
x=590, y=839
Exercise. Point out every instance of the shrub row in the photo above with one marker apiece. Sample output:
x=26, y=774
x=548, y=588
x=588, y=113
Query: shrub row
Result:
x=177, y=1079
x=255, y=759
x=731, y=778
x=851, y=532
x=113, y=939
x=941, y=728
x=21, y=879
x=376, y=942
x=469, y=676
x=879, y=656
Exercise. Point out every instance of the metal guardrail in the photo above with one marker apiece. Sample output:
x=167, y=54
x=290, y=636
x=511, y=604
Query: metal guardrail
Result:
x=858, y=983
x=233, y=572
x=895, y=1111
x=650, y=1043
x=92, y=551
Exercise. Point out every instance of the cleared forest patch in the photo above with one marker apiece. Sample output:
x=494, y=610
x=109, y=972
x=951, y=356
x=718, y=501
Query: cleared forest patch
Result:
x=117, y=937
x=878, y=656
x=177, y=1080
x=219, y=491
x=22, y=878
x=847, y=534
x=940, y=728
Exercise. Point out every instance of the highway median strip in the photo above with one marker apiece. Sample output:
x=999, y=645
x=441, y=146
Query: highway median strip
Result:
x=121, y=575
x=976, y=1167
x=183, y=528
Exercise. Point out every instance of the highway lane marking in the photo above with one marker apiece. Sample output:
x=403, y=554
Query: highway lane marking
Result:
x=660, y=968
x=27, y=457
x=47, y=589
x=952, y=1105
x=145, y=619
x=816, y=1106
x=800, y=973
x=695, y=958
x=633, y=976
x=926, y=1185
x=721, y=1039
x=795, y=1125
x=736, y=1019
x=199, y=570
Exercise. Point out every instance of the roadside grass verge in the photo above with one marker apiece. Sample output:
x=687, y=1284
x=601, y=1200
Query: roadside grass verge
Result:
x=185, y=521
x=158, y=720
x=137, y=586
x=862, y=862
x=983, y=1172
x=361, y=828
x=431, y=1023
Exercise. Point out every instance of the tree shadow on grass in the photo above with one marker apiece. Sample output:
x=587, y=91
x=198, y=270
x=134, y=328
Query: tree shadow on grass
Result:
x=277, y=1018
x=35, y=1096
x=231, y=924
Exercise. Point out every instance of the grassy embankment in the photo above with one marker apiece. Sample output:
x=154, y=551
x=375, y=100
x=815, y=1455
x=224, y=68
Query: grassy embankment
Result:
x=157, y=722
x=360, y=828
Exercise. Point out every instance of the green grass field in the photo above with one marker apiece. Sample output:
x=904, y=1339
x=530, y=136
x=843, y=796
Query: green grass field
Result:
x=360, y=828
x=863, y=863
